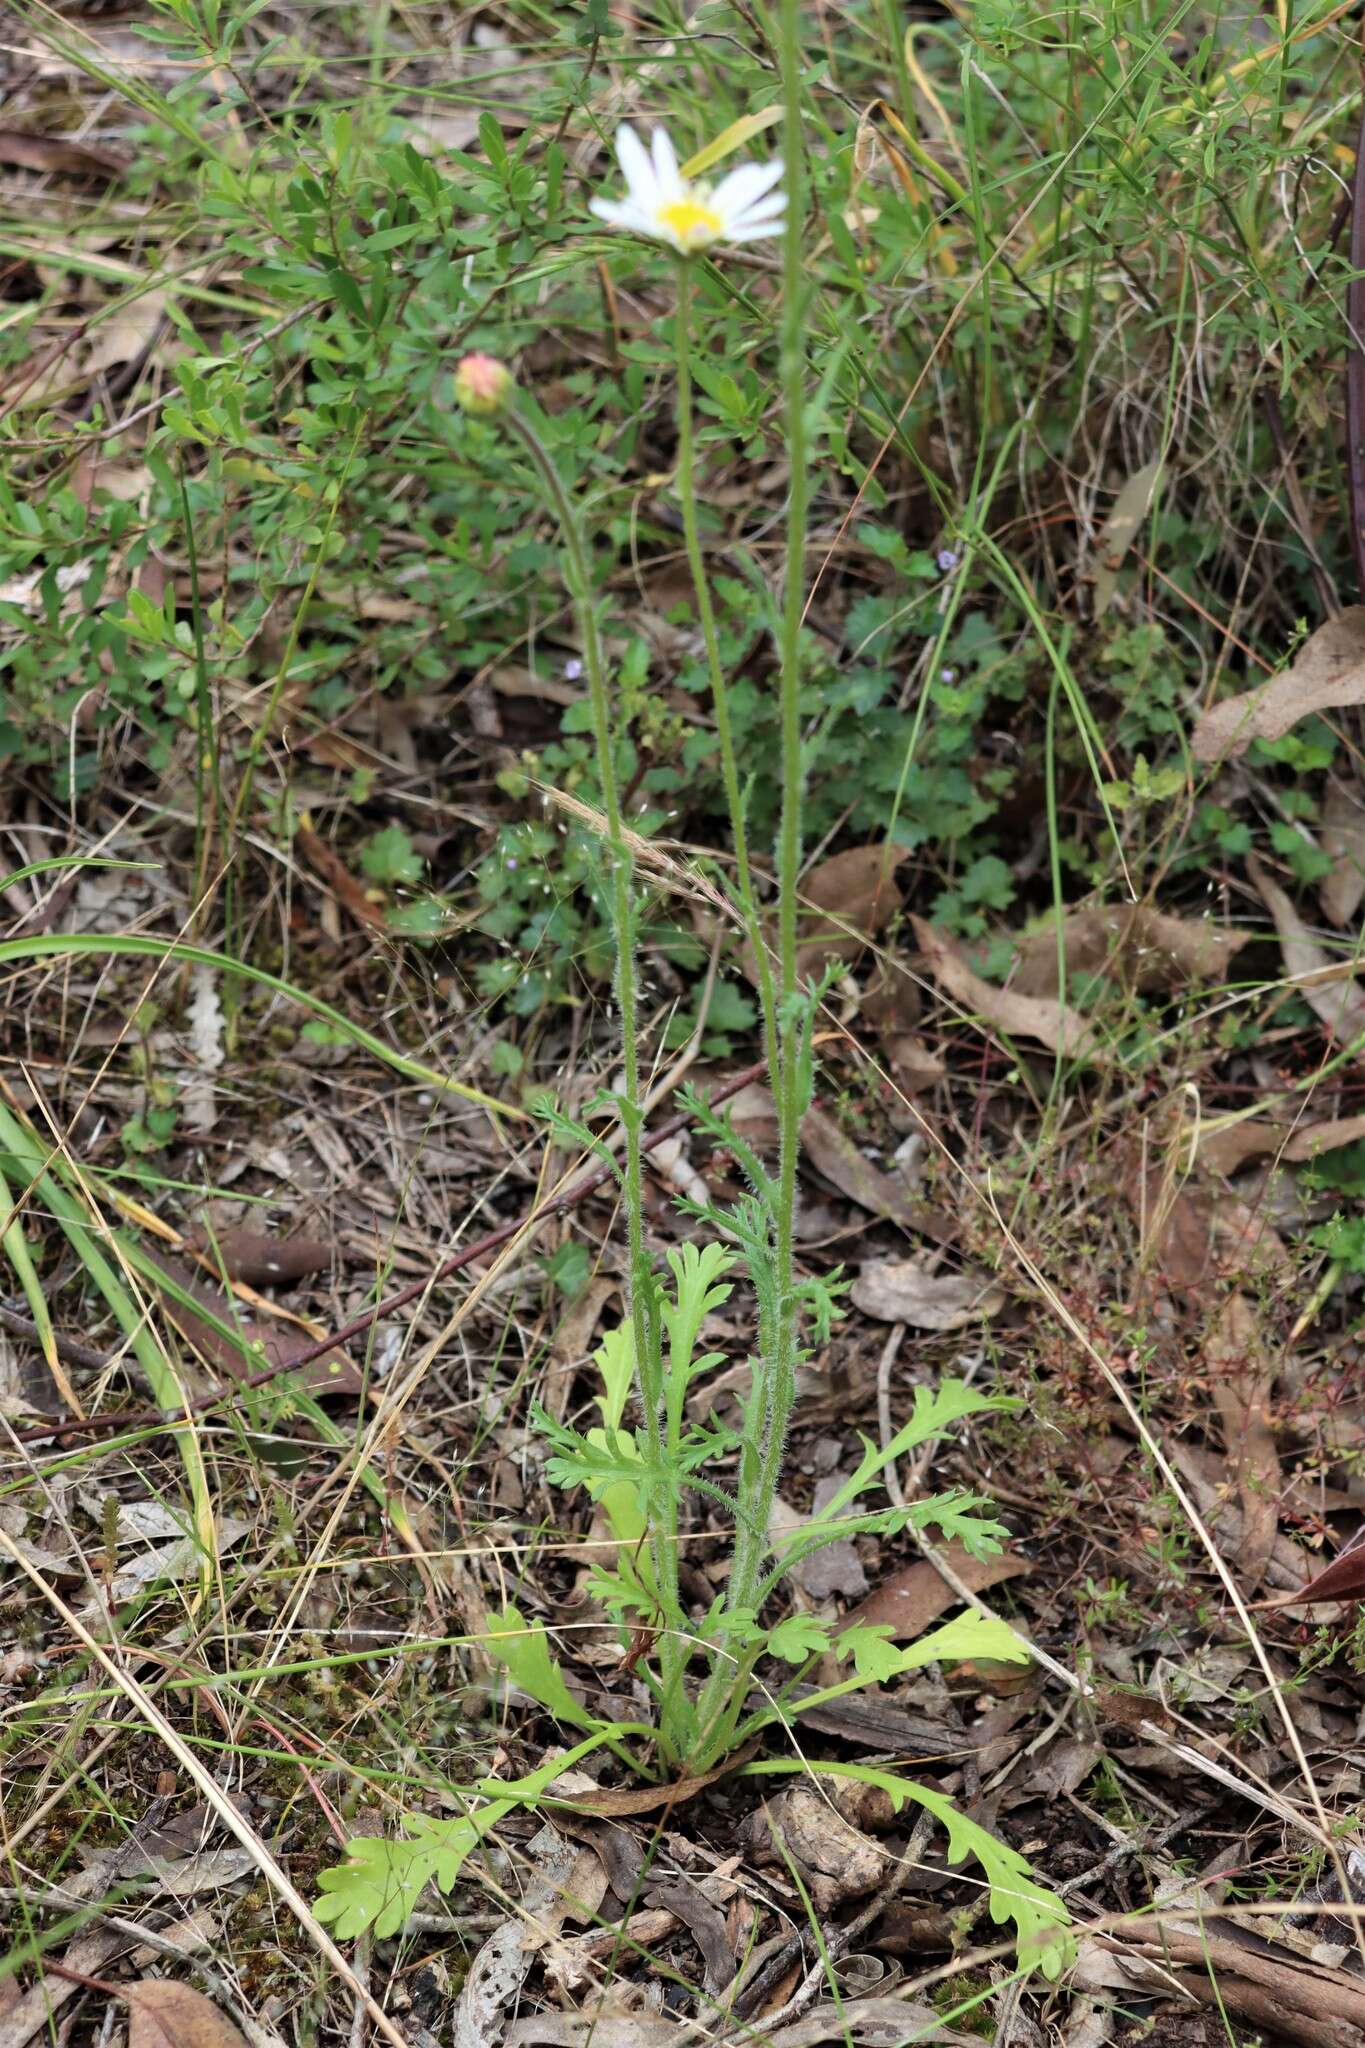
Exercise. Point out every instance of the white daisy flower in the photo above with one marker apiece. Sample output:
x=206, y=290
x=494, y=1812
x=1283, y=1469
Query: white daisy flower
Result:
x=661, y=203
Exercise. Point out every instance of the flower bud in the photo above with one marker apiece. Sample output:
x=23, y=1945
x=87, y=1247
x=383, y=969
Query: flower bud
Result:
x=483, y=385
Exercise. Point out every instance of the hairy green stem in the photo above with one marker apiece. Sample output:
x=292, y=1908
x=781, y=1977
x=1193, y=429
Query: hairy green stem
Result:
x=578, y=575
x=723, y=1679
x=780, y=1372
x=776, y=1368
x=720, y=693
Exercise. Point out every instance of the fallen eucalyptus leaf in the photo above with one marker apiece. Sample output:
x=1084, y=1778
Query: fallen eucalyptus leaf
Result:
x=1327, y=674
x=1196, y=1235
x=869, y=2023
x=905, y=1291
x=840, y=1161
x=595, y=2028
x=165, y=2014
x=1119, y=531
x=168, y=1564
x=1327, y=986
x=1342, y=1579
x=834, y=1568
x=261, y=1261
x=1343, y=841
x=1052, y=1024
x=914, y=1068
x=1142, y=947
x=1265, y=1137
x=1240, y=1378
x=855, y=889
x=47, y=153
x=502, y=1964
x=632, y=1799
x=334, y=1373
x=911, y=1598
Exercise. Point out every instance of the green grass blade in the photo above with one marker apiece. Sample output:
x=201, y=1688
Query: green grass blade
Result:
x=81, y=1232
x=55, y=945
x=17, y=1251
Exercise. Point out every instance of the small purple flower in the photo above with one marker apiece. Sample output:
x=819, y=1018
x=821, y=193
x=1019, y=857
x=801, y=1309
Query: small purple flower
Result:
x=573, y=669
x=948, y=558
x=512, y=860
x=946, y=674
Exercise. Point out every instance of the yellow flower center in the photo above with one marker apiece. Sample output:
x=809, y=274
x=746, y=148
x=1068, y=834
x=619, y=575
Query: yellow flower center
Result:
x=690, y=223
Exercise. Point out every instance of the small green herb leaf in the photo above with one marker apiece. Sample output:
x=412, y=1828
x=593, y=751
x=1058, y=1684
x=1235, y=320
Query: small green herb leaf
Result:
x=389, y=856
x=523, y=1649
x=798, y=1637
x=968, y=1636
x=875, y=1657
x=615, y=1360
x=381, y=1881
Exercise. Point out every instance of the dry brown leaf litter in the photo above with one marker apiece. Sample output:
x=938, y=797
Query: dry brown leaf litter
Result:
x=1327, y=674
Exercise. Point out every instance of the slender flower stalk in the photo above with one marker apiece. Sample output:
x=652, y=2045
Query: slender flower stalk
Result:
x=664, y=205
x=791, y=1028
x=578, y=575
x=775, y=1367
x=726, y=1681
x=720, y=693
x=620, y=860
x=726, y=1687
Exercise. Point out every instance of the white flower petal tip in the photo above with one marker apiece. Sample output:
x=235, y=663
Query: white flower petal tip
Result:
x=686, y=214
x=665, y=161
x=633, y=158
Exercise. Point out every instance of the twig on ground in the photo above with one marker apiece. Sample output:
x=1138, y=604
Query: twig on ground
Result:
x=842, y=1939
x=891, y=1473
x=362, y=1976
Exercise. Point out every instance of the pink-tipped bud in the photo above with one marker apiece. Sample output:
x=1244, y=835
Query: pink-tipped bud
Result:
x=483, y=385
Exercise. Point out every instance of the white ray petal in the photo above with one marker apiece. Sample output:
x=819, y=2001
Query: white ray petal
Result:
x=621, y=213
x=754, y=233
x=636, y=168
x=771, y=208
x=745, y=184
x=667, y=176
x=770, y=203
